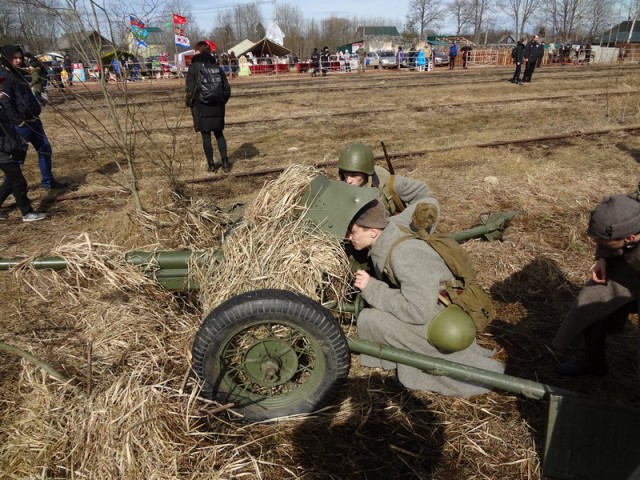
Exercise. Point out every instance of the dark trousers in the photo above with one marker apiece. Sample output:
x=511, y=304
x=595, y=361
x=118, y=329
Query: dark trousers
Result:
x=15, y=183
x=33, y=133
x=208, y=147
x=452, y=61
x=516, y=74
x=528, y=71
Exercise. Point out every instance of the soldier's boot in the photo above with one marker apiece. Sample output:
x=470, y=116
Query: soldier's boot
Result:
x=594, y=362
x=226, y=166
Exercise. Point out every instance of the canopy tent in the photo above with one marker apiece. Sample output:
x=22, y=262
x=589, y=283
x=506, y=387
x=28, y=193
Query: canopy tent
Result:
x=260, y=48
x=182, y=58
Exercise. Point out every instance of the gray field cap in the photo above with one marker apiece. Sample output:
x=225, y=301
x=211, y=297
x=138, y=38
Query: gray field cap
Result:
x=616, y=217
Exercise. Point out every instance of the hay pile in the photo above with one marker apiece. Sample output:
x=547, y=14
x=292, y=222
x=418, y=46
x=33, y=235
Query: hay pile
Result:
x=121, y=345
x=273, y=247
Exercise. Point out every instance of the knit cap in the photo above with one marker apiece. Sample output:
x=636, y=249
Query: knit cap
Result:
x=616, y=217
x=373, y=215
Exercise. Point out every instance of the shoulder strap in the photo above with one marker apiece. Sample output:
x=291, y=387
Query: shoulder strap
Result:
x=400, y=206
x=388, y=268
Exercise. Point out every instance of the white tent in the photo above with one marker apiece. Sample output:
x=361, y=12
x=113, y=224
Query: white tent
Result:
x=181, y=62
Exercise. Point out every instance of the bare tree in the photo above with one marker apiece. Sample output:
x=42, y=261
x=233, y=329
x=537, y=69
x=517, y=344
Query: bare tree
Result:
x=520, y=12
x=462, y=12
x=480, y=9
x=424, y=14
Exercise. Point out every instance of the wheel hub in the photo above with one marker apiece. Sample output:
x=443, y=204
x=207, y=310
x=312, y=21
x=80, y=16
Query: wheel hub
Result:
x=270, y=362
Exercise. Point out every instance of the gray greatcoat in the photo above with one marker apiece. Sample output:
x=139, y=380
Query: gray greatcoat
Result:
x=410, y=191
x=399, y=317
x=597, y=301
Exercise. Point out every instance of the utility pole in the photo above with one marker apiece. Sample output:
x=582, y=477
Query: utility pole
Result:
x=633, y=22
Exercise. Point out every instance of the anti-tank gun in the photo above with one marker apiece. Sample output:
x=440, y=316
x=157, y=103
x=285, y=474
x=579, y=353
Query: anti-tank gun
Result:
x=274, y=353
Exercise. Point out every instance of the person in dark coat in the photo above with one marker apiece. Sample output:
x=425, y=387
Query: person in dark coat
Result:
x=605, y=302
x=12, y=152
x=518, y=58
x=532, y=52
x=208, y=91
x=315, y=62
x=324, y=60
x=68, y=67
x=24, y=111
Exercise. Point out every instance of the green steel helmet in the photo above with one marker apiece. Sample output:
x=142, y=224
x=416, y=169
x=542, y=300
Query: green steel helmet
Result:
x=451, y=330
x=357, y=157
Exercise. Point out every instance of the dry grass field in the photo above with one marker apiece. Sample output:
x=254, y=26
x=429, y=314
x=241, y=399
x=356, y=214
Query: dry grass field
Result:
x=121, y=406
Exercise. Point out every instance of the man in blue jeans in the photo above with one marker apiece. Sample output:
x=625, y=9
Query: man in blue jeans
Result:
x=23, y=109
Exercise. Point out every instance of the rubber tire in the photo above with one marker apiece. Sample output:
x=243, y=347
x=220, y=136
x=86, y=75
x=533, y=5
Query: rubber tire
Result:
x=257, y=309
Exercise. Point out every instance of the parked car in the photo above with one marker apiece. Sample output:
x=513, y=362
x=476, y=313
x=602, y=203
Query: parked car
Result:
x=440, y=59
x=372, y=60
x=388, y=59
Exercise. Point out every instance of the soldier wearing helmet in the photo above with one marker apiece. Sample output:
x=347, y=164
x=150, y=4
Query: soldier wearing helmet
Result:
x=404, y=309
x=604, y=303
x=356, y=166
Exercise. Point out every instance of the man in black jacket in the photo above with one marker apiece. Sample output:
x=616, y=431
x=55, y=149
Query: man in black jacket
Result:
x=518, y=57
x=23, y=109
x=532, y=52
x=12, y=152
x=324, y=60
x=208, y=91
x=315, y=62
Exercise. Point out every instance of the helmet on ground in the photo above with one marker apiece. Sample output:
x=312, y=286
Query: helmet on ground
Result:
x=357, y=157
x=451, y=330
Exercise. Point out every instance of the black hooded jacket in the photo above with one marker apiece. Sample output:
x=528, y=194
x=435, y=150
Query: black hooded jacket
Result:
x=17, y=98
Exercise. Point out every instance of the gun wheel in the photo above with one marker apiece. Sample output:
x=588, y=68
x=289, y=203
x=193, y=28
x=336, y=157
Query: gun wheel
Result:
x=272, y=353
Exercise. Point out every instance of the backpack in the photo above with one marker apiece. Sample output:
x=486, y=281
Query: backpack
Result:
x=463, y=290
x=210, y=86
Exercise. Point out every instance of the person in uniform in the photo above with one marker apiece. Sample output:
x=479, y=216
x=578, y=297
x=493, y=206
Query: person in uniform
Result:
x=357, y=167
x=406, y=313
x=604, y=303
x=532, y=52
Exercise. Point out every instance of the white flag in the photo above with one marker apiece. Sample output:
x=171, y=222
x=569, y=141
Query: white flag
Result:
x=182, y=41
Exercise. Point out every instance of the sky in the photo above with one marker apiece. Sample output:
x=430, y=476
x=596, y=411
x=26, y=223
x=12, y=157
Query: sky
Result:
x=205, y=11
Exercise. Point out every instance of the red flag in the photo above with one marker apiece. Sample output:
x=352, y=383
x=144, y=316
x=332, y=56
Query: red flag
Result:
x=178, y=20
x=211, y=44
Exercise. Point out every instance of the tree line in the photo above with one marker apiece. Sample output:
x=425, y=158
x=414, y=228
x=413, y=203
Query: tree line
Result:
x=38, y=23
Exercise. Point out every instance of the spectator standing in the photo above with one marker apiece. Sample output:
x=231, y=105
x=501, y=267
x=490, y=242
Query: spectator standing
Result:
x=23, y=109
x=233, y=62
x=421, y=61
x=465, y=55
x=518, y=57
x=347, y=61
x=453, y=53
x=68, y=67
x=361, y=59
x=12, y=154
x=532, y=51
x=208, y=92
x=577, y=50
x=324, y=61
x=551, y=53
x=400, y=58
x=38, y=78
x=540, y=57
x=315, y=62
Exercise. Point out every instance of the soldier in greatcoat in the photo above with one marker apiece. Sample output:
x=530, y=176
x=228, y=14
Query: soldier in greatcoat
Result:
x=604, y=303
x=400, y=316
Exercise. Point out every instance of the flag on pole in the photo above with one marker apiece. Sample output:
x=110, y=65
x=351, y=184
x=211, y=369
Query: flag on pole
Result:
x=138, y=28
x=179, y=20
x=182, y=41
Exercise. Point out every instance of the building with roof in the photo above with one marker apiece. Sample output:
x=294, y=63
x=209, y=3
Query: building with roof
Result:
x=376, y=38
x=624, y=32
